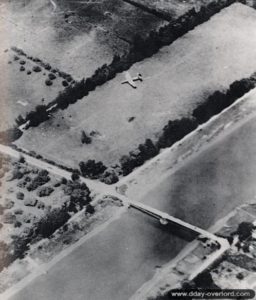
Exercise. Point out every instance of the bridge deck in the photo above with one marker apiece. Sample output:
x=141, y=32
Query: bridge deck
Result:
x=161, y=215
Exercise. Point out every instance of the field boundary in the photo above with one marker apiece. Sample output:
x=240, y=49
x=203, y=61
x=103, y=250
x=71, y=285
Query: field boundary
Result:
x=141, y=48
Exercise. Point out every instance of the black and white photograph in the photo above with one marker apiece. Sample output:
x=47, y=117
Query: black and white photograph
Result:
x=127, y=149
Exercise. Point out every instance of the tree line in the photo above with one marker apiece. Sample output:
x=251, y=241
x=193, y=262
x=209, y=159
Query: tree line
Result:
x=173, y=132
x=141, y=48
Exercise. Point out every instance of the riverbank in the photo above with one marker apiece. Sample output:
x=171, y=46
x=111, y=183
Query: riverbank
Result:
x=170, y=160
x=220, y=159
x=45, y=254
x=177, y=271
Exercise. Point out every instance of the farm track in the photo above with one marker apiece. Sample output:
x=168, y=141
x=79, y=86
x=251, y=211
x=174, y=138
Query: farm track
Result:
x=92, y=184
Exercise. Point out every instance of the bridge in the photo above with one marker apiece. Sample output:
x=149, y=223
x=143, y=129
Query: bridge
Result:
x=165, y=218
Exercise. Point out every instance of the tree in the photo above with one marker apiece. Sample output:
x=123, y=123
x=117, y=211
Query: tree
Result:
x=48, y=82
x=38, y=116
x=109, y=176
x=20, y=120
x=214, y=104
x=238, y=88
x=85, y=139
x=51, y=222
x=22, y=159
x=204, y=280
x=75, y=176
x=244, y=230
x=126, y=164
x=148, y=149
x=92, y=169
x=175, y=131
x=90, y=209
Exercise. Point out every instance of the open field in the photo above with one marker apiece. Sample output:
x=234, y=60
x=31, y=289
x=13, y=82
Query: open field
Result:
x=23, y=88
x=77, y=42
x=77, y=37
x=169, y=91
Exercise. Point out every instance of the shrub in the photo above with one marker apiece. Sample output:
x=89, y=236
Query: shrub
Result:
x=43, y=173
x=48, y=82
x=204, y=280
x=64, y=180
x=85, y=139
x=47, y=67
x=51, y=222
x=45, y=191
x=37, y=69
x=91, y=168
x=65, y=83
x=244, y=230
x=17, y=174
x=22, y=159
x=30, y=202
x=18, y=211
x=20, y=196
x=22, y=69
x=240, y=276
x=17, y=224
x=89, y=209
x=19, y=245
x=57, y=184
x=40, y=205
x=22, y=62
x=39, y=180
x=75, y=176
x=78, y=199
x=52, y=76
x=110, y=176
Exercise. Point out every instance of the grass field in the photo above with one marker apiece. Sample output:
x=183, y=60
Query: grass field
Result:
x=175, y=80
x=21, y=91
x=76, y=37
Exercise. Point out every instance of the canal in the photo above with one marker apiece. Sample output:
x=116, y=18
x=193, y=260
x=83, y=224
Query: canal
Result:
x=115, y=263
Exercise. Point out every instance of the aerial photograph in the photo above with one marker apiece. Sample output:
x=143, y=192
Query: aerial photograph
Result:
x=127, y=149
